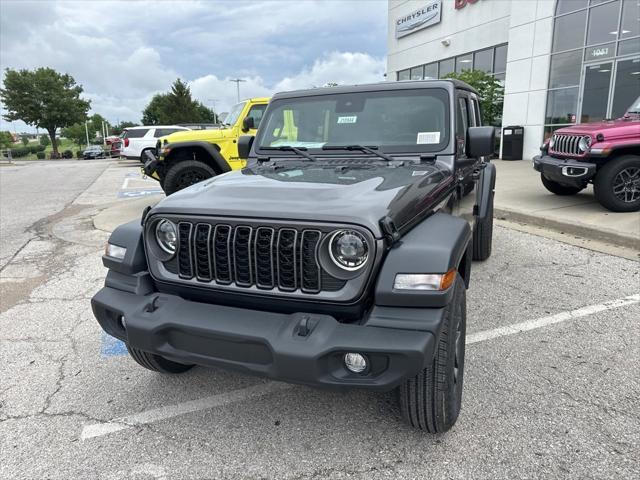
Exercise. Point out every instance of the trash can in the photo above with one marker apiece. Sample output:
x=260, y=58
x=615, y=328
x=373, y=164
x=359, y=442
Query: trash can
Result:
x=512, y=142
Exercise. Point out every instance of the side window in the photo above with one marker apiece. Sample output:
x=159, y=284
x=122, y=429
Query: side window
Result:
x=136, y=133
x=256, y=112
x=161, y=132
x=476, y=112
x=462, y=123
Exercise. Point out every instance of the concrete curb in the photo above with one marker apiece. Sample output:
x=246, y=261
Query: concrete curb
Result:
x=575, y=228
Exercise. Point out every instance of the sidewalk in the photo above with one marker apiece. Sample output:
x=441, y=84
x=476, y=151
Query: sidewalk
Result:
x=520, y=197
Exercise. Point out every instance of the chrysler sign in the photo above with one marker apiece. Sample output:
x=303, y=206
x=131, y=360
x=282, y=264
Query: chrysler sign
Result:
x=418, y=19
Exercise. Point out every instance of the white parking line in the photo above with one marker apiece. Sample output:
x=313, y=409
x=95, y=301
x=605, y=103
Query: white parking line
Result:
x=551, y=320
x=163, y=413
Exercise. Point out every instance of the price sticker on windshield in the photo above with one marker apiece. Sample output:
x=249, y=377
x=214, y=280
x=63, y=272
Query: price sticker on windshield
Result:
x=428, y=138
x=351, y=119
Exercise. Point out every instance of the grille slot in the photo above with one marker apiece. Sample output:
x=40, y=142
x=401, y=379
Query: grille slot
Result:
x=252, y=256
x=185, y=265
x=222, y=253
x=263, y=250
x=309, y=267
x=567, y=144
x=286, y=252
x=242, y=256
x=201, y=252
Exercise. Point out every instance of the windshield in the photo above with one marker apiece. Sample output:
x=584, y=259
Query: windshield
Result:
x=232, y=116
x=395, y=121
x=635, y=107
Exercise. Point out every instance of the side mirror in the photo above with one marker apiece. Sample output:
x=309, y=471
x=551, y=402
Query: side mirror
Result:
x=248, y=124
x=244, y=145
x=480, y=141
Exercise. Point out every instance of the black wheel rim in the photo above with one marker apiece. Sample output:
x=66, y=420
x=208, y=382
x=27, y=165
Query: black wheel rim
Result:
x=189, y=178
x=626, y=184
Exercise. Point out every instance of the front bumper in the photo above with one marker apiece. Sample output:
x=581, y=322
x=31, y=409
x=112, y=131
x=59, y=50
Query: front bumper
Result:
x=269, y=344
x=150, y=164
x=565, y=171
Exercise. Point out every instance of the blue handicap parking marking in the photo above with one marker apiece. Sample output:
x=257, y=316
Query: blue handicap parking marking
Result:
x=139, y=193
x=132, y=174
x=112, y=347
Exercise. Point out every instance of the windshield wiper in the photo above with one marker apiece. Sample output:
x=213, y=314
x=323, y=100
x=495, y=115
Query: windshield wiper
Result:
x=302, y=151
x=372, y=150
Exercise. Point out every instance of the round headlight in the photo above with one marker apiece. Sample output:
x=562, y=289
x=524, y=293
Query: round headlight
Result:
x=167, y=236
x=348, y=249
x=584, y=143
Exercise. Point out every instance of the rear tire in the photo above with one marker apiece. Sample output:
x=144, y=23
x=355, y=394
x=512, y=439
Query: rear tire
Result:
x=142, y=155
x=558, y=188
x=431, y=400
x=617, y=184
x=483, y=234
x=156, y=363
x=185, y=173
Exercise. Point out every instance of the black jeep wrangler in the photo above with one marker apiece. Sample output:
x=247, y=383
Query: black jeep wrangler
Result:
x=338, y=257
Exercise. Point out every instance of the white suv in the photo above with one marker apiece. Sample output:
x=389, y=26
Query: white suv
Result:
x=136, y=140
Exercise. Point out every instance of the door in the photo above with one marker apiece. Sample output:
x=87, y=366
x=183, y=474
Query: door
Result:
x=596, y=86
x=626, y=86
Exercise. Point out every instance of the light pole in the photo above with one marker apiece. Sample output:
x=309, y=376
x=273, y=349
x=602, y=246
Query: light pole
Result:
x=215, y=113
x=237, y=81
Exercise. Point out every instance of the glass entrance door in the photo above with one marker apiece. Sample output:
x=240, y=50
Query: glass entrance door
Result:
x=626, y=86
x=608, y=88
x=596, y=85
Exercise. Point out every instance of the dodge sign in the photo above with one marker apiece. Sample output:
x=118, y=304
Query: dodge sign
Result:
x=418, y=19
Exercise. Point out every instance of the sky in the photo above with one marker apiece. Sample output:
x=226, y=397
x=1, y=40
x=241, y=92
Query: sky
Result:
x=123, y=52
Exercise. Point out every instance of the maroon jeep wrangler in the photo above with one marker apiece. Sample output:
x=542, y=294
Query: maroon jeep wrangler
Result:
x=606, y=154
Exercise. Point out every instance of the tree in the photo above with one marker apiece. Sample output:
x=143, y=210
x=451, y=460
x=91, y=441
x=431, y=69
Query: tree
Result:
x=491, y=93
x=78, y=132
x=118, y=129
x=25, y=140
x=6, y=140
x=176, y=106
x=43, y=98
x=44, y=140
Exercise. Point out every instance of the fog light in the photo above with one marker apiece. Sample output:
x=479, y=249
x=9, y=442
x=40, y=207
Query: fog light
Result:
x=114, y=251
x=355, y=362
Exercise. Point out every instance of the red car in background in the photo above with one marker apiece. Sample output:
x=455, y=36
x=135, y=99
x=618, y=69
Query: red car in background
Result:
x=114, y=145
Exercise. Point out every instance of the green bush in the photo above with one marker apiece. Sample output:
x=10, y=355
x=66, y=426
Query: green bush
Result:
x=41, y=148
x=67, y=154
x=20, y=152
x=78, y=153
x=40, y=155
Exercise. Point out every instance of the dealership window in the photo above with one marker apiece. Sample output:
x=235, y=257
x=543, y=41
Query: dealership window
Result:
x=417, y=73
x=500, y=60
x=446, y=67
x=404, y=74
x=595, y=62
x=464, y=62
x=431, y=70
x=483, y=60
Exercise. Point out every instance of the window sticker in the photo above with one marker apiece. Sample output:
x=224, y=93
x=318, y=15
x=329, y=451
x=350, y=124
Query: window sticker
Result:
x=418, y=173
x=351, y=119
x=428, y=138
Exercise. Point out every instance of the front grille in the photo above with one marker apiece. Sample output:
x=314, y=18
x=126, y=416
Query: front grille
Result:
x=567, y=144
x=268, y=258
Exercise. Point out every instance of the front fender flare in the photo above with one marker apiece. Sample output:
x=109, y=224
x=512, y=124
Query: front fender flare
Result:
x=218, y=161
x=436, y=245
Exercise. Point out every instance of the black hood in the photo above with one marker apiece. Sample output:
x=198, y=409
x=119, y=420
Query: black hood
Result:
x=359, y=193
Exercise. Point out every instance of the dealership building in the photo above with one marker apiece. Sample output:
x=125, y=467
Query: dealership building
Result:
x=562, y=61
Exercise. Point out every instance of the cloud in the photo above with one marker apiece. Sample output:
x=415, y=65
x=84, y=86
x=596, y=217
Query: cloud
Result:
x=122, y=53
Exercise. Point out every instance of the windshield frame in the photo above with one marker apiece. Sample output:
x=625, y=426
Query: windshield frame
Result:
x=443, y=147
x=234, y=113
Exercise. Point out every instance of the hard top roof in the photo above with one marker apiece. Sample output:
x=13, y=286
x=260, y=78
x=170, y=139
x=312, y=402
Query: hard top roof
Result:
x=379, y=86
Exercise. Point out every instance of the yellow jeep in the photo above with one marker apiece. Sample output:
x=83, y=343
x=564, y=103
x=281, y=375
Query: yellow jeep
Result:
x=187, y=157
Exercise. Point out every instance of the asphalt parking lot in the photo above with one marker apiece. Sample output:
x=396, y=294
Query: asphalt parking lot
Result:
x=551, y=383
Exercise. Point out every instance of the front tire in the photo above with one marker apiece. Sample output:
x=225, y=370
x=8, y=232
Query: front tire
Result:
x=431, y=400
x=185, y=173
x=156, y=363
x=617, y=184
x=558, y=188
